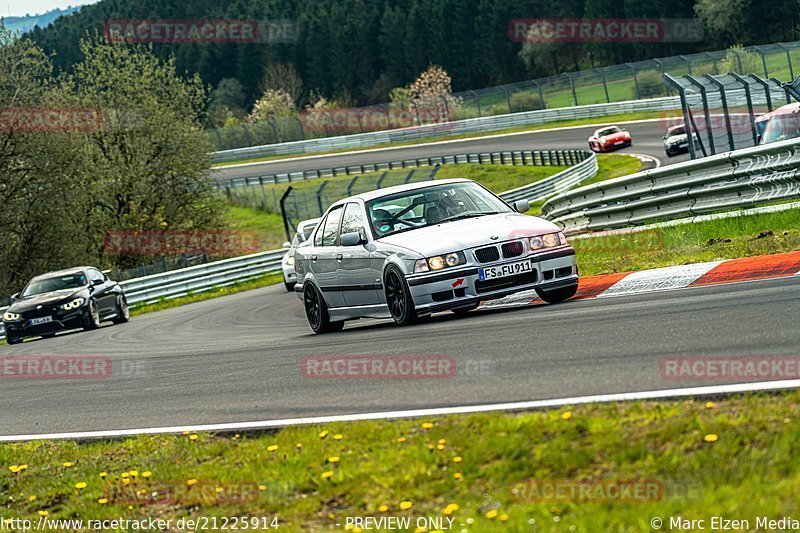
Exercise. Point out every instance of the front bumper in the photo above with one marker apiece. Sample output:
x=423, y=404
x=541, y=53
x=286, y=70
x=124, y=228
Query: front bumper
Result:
x=462, y=287
x=20, y=329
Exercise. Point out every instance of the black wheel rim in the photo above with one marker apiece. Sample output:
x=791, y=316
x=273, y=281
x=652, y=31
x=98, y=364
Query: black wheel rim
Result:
x=93, y=312
x=123, y=306
x=312, y=307
x=395, y=296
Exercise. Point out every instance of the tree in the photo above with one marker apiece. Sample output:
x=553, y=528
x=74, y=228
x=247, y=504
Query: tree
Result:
x=283, y=77
x=273, y=104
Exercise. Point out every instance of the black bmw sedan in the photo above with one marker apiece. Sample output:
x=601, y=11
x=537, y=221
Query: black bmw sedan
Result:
x=80, y=297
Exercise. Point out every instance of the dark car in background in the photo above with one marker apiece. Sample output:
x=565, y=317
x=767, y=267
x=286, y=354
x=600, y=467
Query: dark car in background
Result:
x=80, y=297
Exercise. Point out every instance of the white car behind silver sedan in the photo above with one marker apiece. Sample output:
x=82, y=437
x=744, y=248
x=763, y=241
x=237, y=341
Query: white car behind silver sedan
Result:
x=412, y=250
x=304, y=230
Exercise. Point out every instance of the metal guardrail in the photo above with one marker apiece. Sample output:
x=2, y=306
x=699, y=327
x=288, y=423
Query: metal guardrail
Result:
x=473, y=125
x=519, y=157
x=562, y=181
x=733, y=180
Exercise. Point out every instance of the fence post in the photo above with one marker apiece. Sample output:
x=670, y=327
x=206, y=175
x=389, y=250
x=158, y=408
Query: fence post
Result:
x=477, y=102
x=380, y=180
x=302, y=131
x=635, y=81
x=283, y=213
x=572, y=86
x=605, y=85
x=319, y=196
x=410, y=175
x=788, y=60
x=350, y=186
x=508, y=98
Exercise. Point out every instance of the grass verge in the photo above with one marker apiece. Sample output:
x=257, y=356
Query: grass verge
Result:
x=713, y=240
x=735, y=457
x=624, y=117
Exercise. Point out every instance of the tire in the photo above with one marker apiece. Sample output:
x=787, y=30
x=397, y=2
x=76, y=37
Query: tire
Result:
x=317, y=311
x=91, y=318
x=557, y=295
x=398, y=298
x=123, y=312
x=289, y=285
x=13, y=341
x=464, y=311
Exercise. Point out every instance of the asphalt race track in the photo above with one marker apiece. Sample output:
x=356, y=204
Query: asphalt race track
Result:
x=646, y=140
x=238, y=358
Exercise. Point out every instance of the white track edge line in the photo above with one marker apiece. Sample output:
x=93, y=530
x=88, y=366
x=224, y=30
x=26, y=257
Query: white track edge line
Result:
x=414, y=413
x=435, y=143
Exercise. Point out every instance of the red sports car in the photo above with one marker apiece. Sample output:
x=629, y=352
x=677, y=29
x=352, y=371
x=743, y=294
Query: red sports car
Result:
x=609, y=138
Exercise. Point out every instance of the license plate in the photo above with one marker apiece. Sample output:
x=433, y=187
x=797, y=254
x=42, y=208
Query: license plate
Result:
x=43, y=320
x=618, y=143
x=502, y=271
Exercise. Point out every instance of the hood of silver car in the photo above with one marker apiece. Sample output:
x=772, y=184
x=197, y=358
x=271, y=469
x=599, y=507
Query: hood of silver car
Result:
x=470, y=233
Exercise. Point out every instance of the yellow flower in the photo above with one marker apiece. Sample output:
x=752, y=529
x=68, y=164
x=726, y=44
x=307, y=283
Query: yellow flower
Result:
x=191, y=482
x=405, y=505
x=327, y=475
x=236, y=436
x=334, y=459
x=67, y=464
x=126, y=481
x=567, y=415
x=102, y=474
x=430, y=446
x=440, y=446
x=427, y=425
x=401, y=439
x=298, y=445
x=491, y=514
x=218, y=489
x=442, y=441
x=43, y=513
x=185, y=432
x=323, y=434
x=709, y=405
x=710, y=438
x=503, y=517
x=192, y=437
x=80, y=485
x=383, y=508
x=458, y=476
x=14, y=469
x=272, y=448
x=134, y=473
x=124, y=475
x=102, y=500
x=22, y=467
x=331, y=516
x=338, y=436
x=262, y=487
x=457, y=459
x=32, y=498
x=147, y=474
x=450, y=509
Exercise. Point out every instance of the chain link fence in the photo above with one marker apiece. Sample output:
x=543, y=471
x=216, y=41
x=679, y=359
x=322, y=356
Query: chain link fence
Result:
x=617, y=83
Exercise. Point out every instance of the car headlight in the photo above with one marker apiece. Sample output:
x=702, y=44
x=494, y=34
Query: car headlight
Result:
x=74, y=304
x=289, y=260
x=438, y=262
x=549, y=240
x=8, y=316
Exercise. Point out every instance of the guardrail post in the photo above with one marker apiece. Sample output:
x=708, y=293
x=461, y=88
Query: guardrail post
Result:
x=350, y=186
x=380, y=180
x=721, y=87
x=410, y=175
x=765, y=84
x=704, y=96
x=319, y=197
x=750, y=111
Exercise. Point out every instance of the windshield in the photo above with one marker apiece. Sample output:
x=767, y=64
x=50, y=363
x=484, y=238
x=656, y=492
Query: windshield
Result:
x=608, y=131
x=782, y=127
x=56, y=283
x=676, y=131
x=432, y=205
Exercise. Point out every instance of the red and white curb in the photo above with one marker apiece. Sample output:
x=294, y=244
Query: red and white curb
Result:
x=670, y=278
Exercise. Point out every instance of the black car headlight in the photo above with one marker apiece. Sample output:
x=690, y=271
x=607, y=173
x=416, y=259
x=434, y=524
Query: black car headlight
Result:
x=8, y=316
x=74, y=304
x=439, y=262
x=548, y=240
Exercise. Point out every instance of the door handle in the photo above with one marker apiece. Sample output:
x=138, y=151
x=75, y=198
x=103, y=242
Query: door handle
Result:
x=339, y=257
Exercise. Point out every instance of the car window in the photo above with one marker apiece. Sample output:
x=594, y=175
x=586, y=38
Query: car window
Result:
x=329, y=231
x=782, y=127
x=353, y=220
x=676, y=131
x=57, y=283
x=608, y=131
x=95, y=275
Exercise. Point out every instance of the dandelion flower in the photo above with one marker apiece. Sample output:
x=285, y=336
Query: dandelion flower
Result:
x=427, y=425
x=710, y=438
x=458, y=476
x=102, y=500
x=567, y=415
x=67, y=464
x=709, y=405
x=80, y=485
x=457, y=459
x=262, y=487
x=401, y=439
x=405, y=505
x=146, y=474
x=338, y=436
x=334, y=459
x=323, y=434
x=43, y=513
x=32, y=498
x=383, y=508
x=190, y=482
x=491, y=514
x=272, y=448
x=327, y=475
x=102, y=474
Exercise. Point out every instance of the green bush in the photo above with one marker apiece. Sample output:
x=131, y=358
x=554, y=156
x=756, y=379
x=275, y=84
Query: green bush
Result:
x=650, y=84
x=525, y=102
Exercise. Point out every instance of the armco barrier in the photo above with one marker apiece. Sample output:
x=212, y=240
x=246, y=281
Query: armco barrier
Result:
x=473, y=125
x=520, y=157
x=733, y=180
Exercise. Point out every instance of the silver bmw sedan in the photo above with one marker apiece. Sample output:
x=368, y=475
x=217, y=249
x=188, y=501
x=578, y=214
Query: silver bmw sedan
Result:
x=408, y=251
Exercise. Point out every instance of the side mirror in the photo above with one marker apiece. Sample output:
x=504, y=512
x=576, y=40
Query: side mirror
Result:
x=97, y=282
x=352, y=239
x=15, y=296
x=664, y=138
x=287, y=245
x=521, y=206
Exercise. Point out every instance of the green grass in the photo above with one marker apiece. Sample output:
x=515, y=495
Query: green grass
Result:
x=499, y=178
x=726, y=238
x=268, y=225
x=750, y=469
x=257, y=283
x=624, y=117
